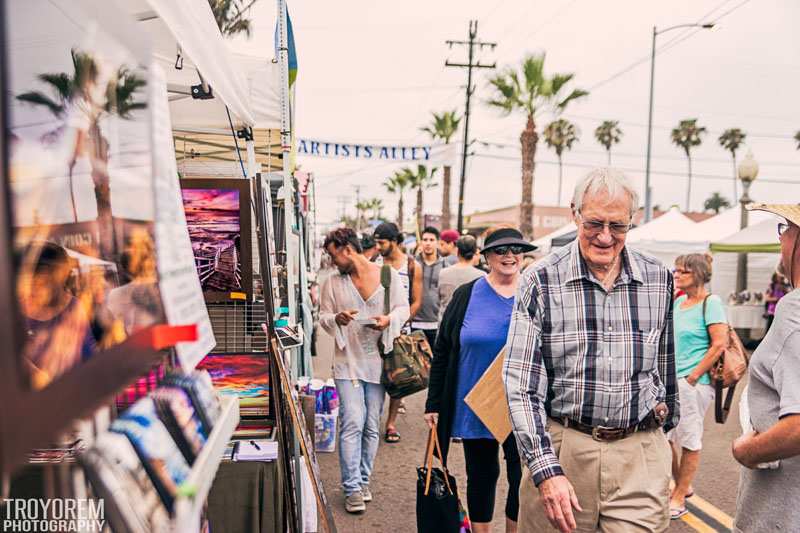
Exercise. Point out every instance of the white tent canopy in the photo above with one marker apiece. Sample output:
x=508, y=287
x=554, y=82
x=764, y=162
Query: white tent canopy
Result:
x=760, y=265
x=543, y=244
x=185, y=35
x=670, y=226
x=725, y=224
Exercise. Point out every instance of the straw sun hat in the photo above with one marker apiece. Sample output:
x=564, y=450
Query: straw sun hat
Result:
x=790, y=212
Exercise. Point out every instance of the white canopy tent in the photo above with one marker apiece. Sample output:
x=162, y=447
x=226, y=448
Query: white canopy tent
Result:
x=667, y=237
x=760, y=242
x=544, y=244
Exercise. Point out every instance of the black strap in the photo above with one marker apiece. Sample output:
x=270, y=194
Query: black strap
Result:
x=386, y=282
x=721, y=408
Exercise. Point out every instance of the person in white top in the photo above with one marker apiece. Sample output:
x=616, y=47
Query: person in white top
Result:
x=352, y=311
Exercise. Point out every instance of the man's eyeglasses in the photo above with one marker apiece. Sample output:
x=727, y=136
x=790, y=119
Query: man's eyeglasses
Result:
x=596, y=226
x=503, y=250
x=782, y=227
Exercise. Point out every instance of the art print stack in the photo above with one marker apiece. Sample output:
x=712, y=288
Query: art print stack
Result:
x=140, y=465
x=246, y=377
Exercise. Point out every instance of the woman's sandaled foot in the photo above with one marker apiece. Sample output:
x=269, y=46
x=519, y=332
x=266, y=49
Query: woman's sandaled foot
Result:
x=676, y=512
x=391, y=436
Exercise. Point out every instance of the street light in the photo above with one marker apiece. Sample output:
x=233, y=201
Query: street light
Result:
x=648, y=197
x=747, y=170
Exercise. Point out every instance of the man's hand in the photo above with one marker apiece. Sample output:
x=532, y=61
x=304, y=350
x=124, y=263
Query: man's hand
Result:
x=431, y=419
x=558, y=498
x=741, y=450
x=381, y=322
x=345, y=317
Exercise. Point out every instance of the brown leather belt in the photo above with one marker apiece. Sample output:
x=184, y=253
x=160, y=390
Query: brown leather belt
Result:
x=604, y=434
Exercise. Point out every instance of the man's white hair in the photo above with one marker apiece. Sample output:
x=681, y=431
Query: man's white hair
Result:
x=608, y=180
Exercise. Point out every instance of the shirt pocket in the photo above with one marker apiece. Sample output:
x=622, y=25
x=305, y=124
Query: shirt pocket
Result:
x=645, y=350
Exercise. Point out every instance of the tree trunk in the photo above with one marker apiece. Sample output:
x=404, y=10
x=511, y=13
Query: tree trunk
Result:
x=102, y=191
x=446, y=198
x=400, y=209
x=419, y=211
x=560, y=179
x=735, y=179
x=528, y=140
x=609, y=156
x=689, y=186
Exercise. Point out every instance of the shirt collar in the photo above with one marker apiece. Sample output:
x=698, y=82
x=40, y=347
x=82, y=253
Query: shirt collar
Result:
x=578, y=269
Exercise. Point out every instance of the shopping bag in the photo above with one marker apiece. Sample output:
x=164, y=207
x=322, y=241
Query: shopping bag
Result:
x=438, y=508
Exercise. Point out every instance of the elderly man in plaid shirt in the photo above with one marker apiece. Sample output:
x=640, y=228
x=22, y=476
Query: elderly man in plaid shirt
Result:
x=590, y=375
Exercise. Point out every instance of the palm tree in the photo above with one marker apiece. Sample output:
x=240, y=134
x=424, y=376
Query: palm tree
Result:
x=731, y=139
x=376, y=206
x=560, y=135
x=688, y=135
x=361, y=209
x=608, y=134
x=75, y=92
x=443, y=127
x=797, y=138
x=716, y=202
x=230, y=16
x=398, y=183
x=420, y=180
x=529, y=91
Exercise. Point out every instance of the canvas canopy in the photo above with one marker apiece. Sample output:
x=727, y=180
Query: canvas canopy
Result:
x=189, y=47
x=758, y=238
x=544, y=244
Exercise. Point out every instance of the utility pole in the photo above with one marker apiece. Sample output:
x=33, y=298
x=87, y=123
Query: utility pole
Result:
x=469, y=65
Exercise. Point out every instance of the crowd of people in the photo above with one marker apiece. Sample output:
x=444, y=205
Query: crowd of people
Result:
x=607, y=360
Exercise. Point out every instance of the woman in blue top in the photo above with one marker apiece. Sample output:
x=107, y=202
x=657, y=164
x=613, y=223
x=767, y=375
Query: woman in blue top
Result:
x=472, y=333
x=699, y=341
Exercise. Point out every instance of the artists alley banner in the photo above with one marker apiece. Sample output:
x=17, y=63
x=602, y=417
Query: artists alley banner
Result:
x=426, y=154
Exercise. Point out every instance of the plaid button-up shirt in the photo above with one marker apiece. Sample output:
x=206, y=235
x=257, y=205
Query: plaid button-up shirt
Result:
x=575, y=350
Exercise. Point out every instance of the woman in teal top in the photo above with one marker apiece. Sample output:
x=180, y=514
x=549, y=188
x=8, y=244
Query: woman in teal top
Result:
x=699, y=341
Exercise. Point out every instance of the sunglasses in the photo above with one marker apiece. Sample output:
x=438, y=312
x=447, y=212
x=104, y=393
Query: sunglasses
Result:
x=782, y=227
x=681, y=271
x=503, y=250
x=595, y=227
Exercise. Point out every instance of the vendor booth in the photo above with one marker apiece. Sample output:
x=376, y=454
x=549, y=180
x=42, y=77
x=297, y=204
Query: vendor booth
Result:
x=760, y=243
x=140, y=191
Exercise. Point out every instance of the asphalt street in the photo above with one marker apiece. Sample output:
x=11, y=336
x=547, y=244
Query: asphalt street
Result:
x=394, y=477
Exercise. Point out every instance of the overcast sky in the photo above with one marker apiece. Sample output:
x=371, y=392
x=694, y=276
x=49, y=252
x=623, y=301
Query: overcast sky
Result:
x=372, y=72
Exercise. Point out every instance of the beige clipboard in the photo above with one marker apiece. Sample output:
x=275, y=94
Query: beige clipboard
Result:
x=487, y=399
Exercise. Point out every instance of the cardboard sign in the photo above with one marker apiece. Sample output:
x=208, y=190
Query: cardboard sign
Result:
x=487, y=399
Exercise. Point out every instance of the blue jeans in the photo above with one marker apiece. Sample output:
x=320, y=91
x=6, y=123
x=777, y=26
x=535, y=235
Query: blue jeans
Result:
x=360, y=408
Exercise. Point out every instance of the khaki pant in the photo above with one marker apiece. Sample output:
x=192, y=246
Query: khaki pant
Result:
x=622, y=486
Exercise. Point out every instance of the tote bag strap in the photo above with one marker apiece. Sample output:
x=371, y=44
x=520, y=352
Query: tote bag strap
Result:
x=386, y=282
x=433, y=442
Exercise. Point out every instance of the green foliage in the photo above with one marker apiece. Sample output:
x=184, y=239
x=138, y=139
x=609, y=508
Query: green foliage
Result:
x=797, y=138
x=530, y=89
x=560, y=135
x=608, y=134
x=716, y=202
x=687, y=135
x=731, y=139
x=230, y=16
x=444, y=126
x=77, y=87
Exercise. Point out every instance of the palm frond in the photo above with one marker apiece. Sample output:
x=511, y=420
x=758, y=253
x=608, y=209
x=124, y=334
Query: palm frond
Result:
x=37, y=98
x=60, y=82
x=574, y=95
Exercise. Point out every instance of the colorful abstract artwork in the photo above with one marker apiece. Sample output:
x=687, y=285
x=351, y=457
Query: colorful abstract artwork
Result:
x=243, y=375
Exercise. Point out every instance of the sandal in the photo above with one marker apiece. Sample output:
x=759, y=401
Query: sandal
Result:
x=391, y=436
x=676, y=512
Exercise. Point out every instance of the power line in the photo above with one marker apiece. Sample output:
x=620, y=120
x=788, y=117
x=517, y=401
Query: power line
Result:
x=471, y=44
x=783, y=181
x=669, y=44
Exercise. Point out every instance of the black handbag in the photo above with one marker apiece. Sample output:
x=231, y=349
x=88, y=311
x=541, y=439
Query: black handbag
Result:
x=438, y=508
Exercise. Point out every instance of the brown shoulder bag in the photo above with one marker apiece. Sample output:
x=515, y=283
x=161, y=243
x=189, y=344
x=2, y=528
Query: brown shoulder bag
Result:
x=729, y=368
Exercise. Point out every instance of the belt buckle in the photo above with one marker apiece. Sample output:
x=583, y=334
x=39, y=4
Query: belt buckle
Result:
x=596, y=433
